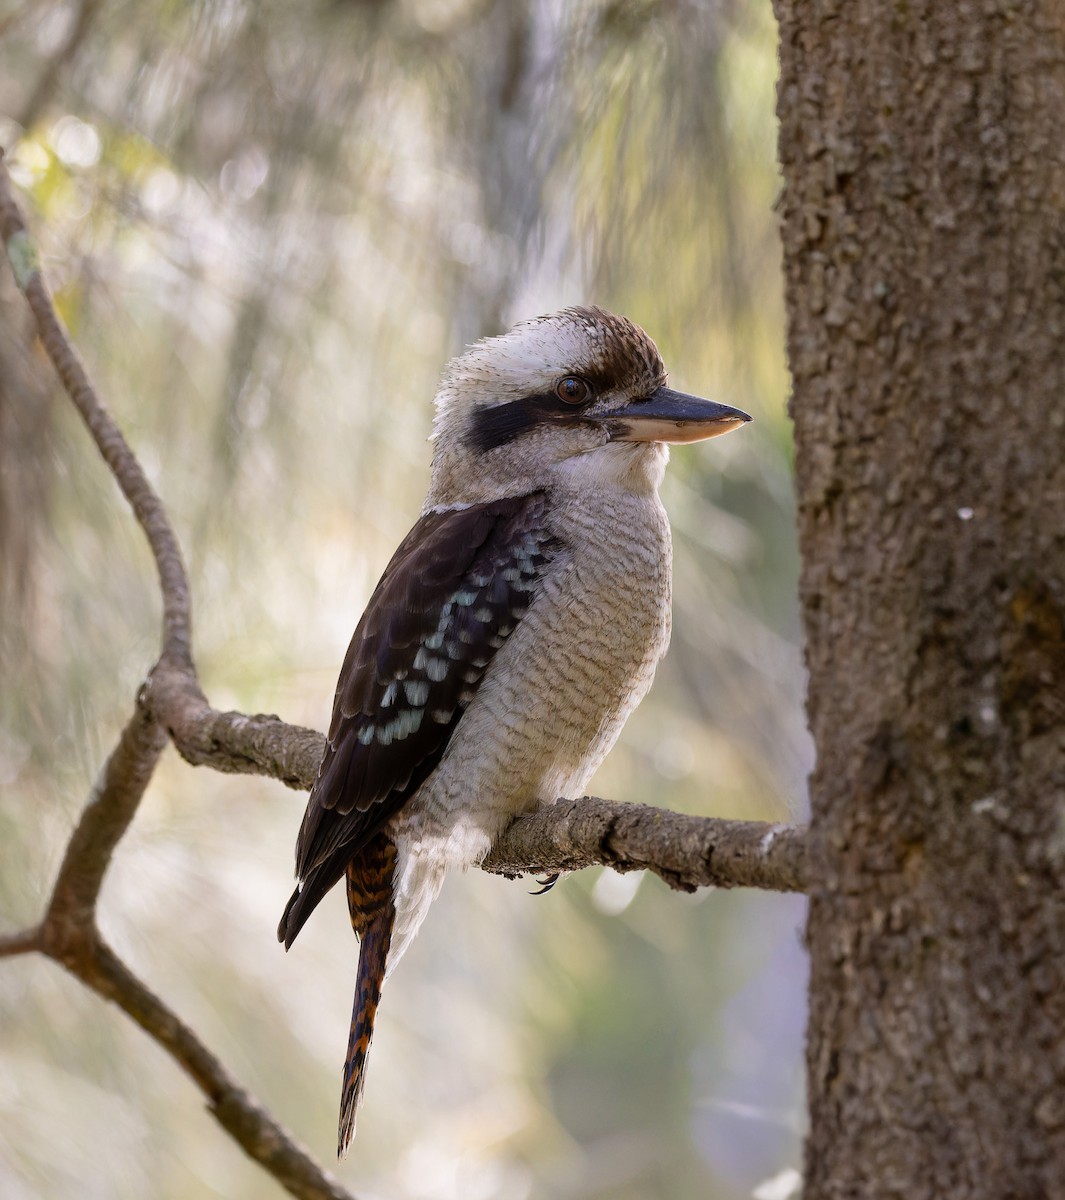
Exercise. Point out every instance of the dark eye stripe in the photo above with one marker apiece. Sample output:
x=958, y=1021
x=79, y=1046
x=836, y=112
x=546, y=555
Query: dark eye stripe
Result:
x=503, y=423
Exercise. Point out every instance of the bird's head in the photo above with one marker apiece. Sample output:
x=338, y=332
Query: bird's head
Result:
x=578, y=395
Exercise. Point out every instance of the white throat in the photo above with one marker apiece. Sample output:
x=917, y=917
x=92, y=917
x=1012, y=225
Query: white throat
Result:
x=636, y=467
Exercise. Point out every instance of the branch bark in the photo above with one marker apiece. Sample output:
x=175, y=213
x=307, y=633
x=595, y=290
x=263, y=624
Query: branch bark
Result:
x=687, y=852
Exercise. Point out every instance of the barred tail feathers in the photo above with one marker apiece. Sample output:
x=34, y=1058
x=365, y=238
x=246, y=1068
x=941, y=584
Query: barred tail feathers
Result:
x=373, y=954
x=390, y=891
x=371, y=906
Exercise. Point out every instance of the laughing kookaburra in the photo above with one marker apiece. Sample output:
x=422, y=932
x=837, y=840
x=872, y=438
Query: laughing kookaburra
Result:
x=516, y=627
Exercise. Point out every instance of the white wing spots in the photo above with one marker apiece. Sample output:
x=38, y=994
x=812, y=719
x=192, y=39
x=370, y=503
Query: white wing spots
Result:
x=436, y=669
x=523, y=574
x=402, y=725
x=469, y=628
x=409, y=722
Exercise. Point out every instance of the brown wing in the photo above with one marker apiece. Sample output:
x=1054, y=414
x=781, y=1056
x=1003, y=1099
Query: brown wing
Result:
x=454, y=590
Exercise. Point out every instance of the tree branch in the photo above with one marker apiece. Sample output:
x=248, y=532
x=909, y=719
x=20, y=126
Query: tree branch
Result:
x=687, y=852
x=69, y=935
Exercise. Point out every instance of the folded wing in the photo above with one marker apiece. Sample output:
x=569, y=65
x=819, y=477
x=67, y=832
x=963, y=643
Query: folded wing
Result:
x=455, y=589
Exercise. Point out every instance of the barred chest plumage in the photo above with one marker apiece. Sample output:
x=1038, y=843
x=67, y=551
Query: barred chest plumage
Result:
x=556, y=695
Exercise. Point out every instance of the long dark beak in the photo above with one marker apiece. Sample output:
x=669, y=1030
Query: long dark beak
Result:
x=669, y=416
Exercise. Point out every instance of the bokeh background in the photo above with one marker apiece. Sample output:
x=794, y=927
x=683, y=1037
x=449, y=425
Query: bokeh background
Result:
x=268, y=225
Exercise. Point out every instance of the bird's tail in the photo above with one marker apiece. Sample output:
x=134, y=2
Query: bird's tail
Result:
x=373, y=913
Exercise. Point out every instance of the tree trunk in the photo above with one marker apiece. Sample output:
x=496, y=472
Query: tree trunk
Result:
x=924, y=235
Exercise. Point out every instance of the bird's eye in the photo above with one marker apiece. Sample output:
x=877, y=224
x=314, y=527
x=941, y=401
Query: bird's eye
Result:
x=573, y=390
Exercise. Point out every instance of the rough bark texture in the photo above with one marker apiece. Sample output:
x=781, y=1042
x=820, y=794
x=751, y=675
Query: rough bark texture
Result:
x=924, y=234
x=686, y=852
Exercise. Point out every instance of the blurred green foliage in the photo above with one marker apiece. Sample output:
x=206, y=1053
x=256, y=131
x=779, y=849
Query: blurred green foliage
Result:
x=268, y=226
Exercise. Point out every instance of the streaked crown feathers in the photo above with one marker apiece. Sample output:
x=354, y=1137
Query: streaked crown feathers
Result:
x=601, y=347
